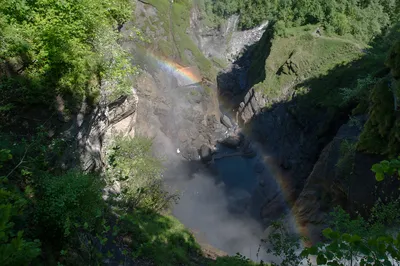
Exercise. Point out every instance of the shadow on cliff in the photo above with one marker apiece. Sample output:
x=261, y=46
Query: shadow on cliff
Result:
x=247, y=70
x=295, y=131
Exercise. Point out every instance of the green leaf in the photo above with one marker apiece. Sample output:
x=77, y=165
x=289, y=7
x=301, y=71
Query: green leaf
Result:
x=329, y=255
x=376, y=168
x=355, y=239
x=311, y=250
x=321, y=260
x=346, y=237
x=327, y=232
x=379, y=176
x=25, y=172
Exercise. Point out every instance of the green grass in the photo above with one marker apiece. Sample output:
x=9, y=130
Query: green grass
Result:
x=175, y=23
x=160, y=238
x=314, y=56
x=220, y=62
x=165, y=241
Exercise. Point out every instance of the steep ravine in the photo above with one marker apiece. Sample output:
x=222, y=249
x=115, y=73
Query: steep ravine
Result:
x=255, y=172
x=220, y=201
x=215, y=201
x=233, y=181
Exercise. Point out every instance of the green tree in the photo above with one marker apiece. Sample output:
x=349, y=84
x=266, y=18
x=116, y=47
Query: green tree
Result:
x=68, y=202
x=351, y=249
x=14, y=248
x=62, y=47
x=133, y=166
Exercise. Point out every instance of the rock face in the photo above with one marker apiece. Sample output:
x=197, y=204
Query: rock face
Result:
x=177, y=117
x=342, y=179
x=86, y=132
x=205, y=153
x=251, y=106
x=226, y=121
x=232, y=142
x=227, y=42
x=290, y=134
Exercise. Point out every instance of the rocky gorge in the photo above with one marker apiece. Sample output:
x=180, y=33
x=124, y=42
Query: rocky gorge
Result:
x=238, y=159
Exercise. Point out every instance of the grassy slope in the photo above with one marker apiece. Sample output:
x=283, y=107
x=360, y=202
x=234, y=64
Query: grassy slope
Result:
x=314, y=56
x=328, y=65
x=176, y=42
x=163, y=240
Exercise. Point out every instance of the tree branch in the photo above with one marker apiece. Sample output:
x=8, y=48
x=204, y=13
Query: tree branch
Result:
x=20, y=162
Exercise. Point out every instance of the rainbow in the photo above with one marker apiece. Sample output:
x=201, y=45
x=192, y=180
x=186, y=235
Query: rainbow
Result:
x=192, y=76
x=189, y=73
x=285, y=187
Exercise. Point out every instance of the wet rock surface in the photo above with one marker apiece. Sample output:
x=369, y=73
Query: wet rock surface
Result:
x=226, y=121
x=227, y=42
x=332, y=182
x=205, y=153
x=290, y=135
x=232, y=142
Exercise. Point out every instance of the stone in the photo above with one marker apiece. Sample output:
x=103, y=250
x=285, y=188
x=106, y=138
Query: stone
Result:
x=226, y=121
x=182, y=136
x=232, y=142
x=116, y=188
x=190, y=153
x=247, y=114
x=79, y=119
x=241, y=106
x=205, y=153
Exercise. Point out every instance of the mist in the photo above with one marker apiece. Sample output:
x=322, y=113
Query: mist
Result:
x=217, y=202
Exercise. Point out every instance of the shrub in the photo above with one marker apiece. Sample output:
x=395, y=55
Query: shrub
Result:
x=132, y=164
x=160, y=238
x=68, y=202
x=14, y=249
x=62, y=47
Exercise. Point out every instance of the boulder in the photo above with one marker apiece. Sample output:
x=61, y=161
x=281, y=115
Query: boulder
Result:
x=232, y=142
x=190, y=153
x=205, y=153
x=226, y=121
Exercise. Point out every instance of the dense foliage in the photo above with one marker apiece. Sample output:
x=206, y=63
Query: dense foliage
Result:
x=61, y=47
x=363, y=19
x=348, y=241
x=381, y=133
x=134, y=168
x=55, y=216
x=14, y=248
x=68, y=202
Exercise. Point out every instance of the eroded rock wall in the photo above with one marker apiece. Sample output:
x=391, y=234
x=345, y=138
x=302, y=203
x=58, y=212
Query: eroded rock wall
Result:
x=87, y=131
